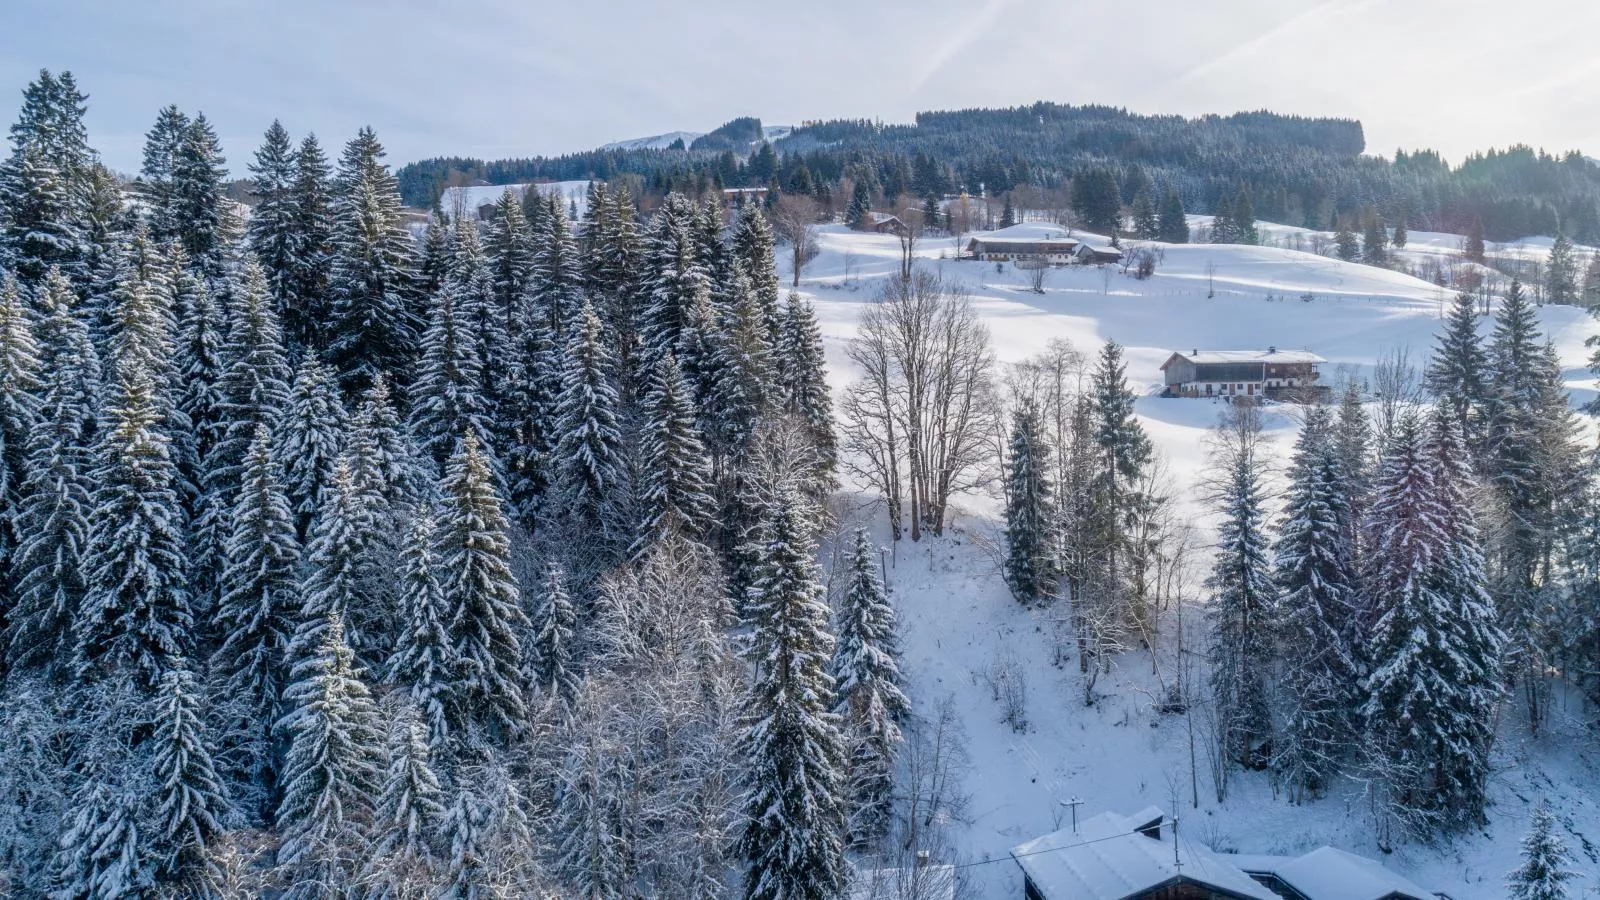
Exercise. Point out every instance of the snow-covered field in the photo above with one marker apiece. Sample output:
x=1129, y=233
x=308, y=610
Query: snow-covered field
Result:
x=1120, y=755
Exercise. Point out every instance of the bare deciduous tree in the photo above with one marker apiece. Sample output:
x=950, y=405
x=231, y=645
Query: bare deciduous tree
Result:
x=925, y=399
x=795, y=222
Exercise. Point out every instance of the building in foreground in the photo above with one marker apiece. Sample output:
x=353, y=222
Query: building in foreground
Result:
x=1272, y=374
x=1141, y=857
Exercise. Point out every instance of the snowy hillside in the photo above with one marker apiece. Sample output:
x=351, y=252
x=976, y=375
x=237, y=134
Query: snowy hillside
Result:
x=663, y=141
x=959, y=620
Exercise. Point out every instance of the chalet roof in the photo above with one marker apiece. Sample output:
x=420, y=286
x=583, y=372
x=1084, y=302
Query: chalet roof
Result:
x=990, y=245
x=1108, y=858
x=1328, y=873
x=878, y=218
x=1269, y=355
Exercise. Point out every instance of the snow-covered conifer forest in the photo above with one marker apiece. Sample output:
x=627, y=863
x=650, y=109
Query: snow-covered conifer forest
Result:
x=630, y=538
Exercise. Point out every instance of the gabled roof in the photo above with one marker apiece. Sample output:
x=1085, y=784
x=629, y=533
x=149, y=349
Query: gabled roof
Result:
x=1328, y=873
x=1107, y=858
x=1013, y=245
x=1270, y=355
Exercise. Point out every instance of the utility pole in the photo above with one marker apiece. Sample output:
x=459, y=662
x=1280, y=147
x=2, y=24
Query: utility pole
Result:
x=1073, y=805
x=1176, y=862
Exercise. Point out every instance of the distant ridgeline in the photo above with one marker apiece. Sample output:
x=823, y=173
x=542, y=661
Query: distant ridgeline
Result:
x=1298, y=170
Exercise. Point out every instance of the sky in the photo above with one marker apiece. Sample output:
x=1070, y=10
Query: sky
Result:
x=499, y=78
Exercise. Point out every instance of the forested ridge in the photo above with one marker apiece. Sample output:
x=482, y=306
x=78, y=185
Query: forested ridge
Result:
x=1300, y=171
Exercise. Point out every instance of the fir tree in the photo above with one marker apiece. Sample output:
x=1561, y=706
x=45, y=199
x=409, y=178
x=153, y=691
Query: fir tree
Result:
x=1008, y=213
x=1244, y=217
x=510, y=255
x=260, y=590
x=1122, y=451
x=592, y=849
x=309, y=438
x=866, y=673
x=1222, y=223
x=438, y=253
x=254, y=388
x=679, y=288
x=189, y=802
x=737, y=384
x=529, y=414
x=38, y=225
x=331, y=771
x=100, y=854
x=588, y=449
x=1315, y=633
x=421, y=662
x=855, y=215
x=1456, y=372
x=199, y=364
x=372, y=316
x=1173, y=226
x=552, y=666
x=484, y=612
x=135, y=614
x=1244, y=608
x=675, y=495
x=1543, y=874
x=52, y=518
x=556, y=280
x=1032, y=535
x=794, y=839
x=1590, y=297
x=1374, y=240
x=383, y=458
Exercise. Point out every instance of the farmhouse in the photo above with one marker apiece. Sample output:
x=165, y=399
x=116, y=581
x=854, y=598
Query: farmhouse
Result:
x=1057, y=252
x=1272, y=374
x=733, y=198
x=1093, y=256
x=883, y=223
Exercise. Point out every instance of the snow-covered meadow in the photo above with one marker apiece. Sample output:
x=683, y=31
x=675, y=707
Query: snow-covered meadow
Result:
x=958, y=620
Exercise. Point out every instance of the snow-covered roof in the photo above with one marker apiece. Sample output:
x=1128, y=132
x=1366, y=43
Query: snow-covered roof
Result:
x=1027, y=245
x=1328, y=873
x=1108, y=859
x=931, y=882
x=1270, y=355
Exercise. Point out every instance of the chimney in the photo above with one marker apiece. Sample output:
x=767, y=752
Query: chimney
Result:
x=1195, y=352
x=1271, y=350
x=922, y=859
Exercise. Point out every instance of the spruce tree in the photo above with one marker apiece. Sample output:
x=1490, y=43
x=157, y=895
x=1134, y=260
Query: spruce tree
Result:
x=855, y=215
x=1344, y=240
x=382, y=452
x=1543, y=874
x=306, y=308
x=19, y=416
x=1032, y=560
x=1589, y=298
x=1316, y=628
x=1008, y=214
x=260, y=599
x=254, y=387
x=447, y=396
x=310, y=435
x=135, y=615
x=1245, y=604
x=1121, y=453
x=189, y=803
x=199, y=362
x=510, y=254
x=331, y=772
x=421, y=662
x=679, y=288
x=1456, y=371
x=273, y=229
x=866, y=673
x=52, y=518
x=1145, y=222
x=38, y=222
x=737, y=385
x=1561, y=271
x=341, y=580
x=794, y=839
x=197, y=202
x=372, y=312
x=1374, y=240
x=101, y=853
x=552, y=663
x=802, y=382
x=589, y=447
x=484, y=610
x=1434, y=650
x=1474, y=246
x=556, y=280
x=1244, y=217
x=1222, y=222
x=675, y=494
x=409, y=812
x=754, y=247
x=1173, y=226
x=156, y=174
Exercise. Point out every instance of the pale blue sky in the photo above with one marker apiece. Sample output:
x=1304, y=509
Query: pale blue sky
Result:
x=497, y=78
